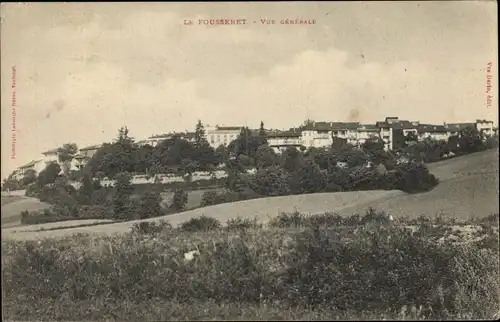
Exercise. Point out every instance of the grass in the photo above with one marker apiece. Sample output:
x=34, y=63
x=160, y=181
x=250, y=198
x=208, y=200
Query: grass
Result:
x=300, y=267
x=11, y=212
x=9, y=199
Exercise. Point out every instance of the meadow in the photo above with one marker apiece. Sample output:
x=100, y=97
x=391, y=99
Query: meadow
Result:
x=296, y=266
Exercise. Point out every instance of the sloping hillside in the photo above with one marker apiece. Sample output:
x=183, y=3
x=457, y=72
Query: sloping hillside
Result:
x=468, y=186
x=11, y=211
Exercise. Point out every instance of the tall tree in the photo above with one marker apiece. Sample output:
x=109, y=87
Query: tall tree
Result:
x=49, y=174
x=65, y=156
x=262, y=133
x=199, y=134
x=29, y=176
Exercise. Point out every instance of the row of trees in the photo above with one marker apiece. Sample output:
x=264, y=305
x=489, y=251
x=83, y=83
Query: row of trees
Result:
x=176, y=154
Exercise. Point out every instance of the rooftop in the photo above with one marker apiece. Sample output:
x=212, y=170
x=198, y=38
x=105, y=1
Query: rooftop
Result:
x=328, y=126
x=53, y=151
x=430, y=128
x=91, y=147
x=29, y=165
x=283, y=134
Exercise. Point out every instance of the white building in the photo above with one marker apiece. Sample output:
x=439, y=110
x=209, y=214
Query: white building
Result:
x=221, y=135
x=393, y=127
x=51, y=156
x=435, y=132
x=280, y=141
x=485, y=127
x=367, y=131
x=320, y=134
x=37, y=165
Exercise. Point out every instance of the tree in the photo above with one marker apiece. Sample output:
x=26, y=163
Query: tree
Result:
x=199, y=134
x=470, y=140
x=65, y=155
x=373, y=146
x=49, y=174
x=149, y=205
x=271, y=181
x=121, y=199
x=311, y=178
x=291, y=159
x=246, y=143
x=87, y=189
x=29, y=177
x=265, y=157
x=180, y=200
x=262, y=134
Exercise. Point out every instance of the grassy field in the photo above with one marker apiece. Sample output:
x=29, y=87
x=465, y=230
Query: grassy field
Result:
x=14, y=206
x=10, y=199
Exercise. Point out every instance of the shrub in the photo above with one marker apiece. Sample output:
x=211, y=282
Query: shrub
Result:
x=359, y=270
x=243, y=224
x=415, y=177
x=180, y=199
x=284, y=220
x=202, y=223
x=157, y=227
x=209, y=198
x=149, y=205
x=121, y=200
x=32, y=190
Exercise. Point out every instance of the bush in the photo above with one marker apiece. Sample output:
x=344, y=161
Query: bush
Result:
x=284, y=220
x=180, y=200
x=149, y=228
x=243, y=224
x=202, y=223
x=362, y=270
x=209, y=198
x=415, y=177
x=149, y=205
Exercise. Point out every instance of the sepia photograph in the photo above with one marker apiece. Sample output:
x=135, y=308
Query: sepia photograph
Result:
x=171, y=161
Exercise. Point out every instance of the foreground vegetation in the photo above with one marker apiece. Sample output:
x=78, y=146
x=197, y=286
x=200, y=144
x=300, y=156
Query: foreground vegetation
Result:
x=299, y=267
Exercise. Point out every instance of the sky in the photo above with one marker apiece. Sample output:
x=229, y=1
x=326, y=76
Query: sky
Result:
x=83, y=70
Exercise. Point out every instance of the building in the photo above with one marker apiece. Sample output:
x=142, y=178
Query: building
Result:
x=485, y=127
x=429, y=131
x=321, y=134
x=367, y=131
x=346, y=130
x=453, y=129
x=51, y=156
x=394, y=132
x=221, y=135
x=281, y=140
x=37, y=165
x=89, y=151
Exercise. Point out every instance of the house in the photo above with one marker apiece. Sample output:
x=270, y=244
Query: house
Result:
x=282, y=140
x=37, y=165
x=485, y=127
x=367, y=131
x=221, y=135
x=394, y=132
x=453, y=129
x=321, y=134
x=89, y=151
x=51, y=156
x=435, y=132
